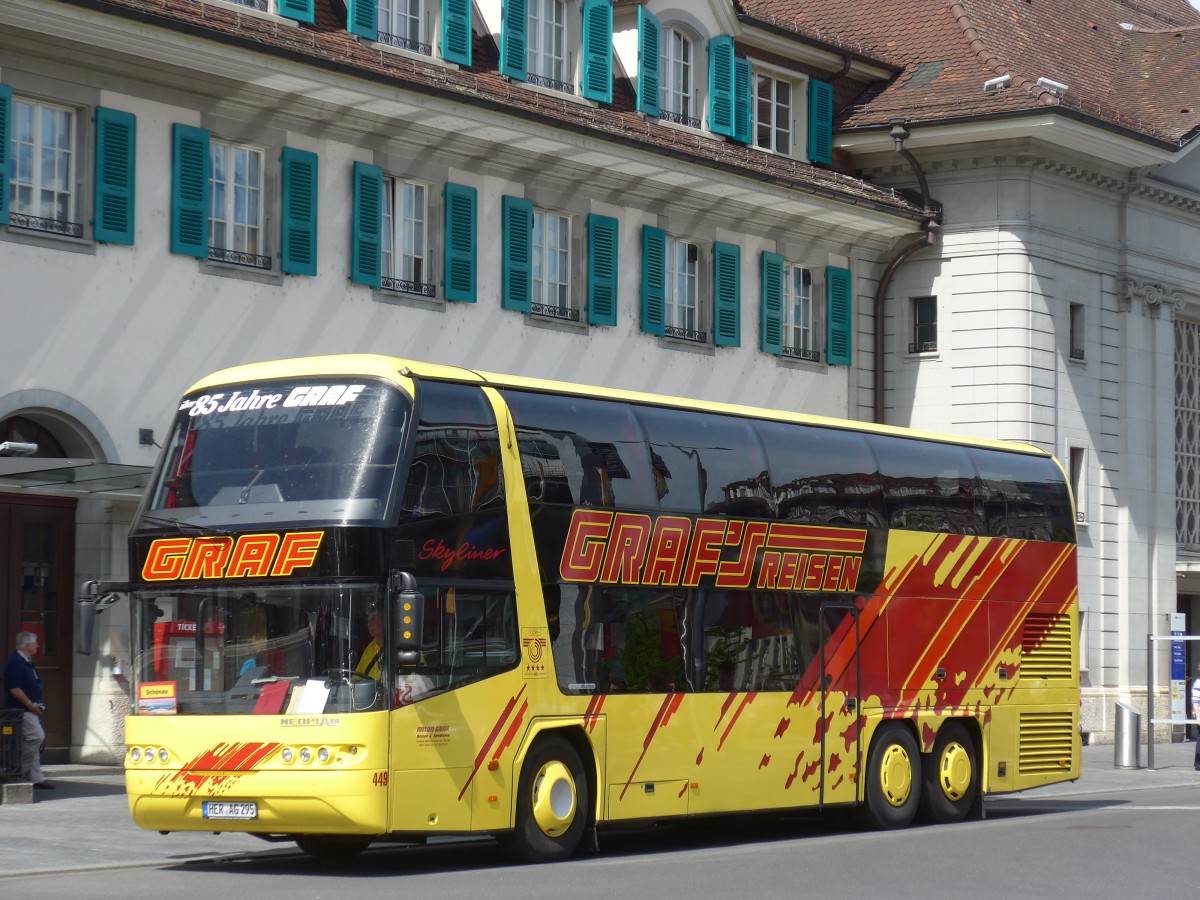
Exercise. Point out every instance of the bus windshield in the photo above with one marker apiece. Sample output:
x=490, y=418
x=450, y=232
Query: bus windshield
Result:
x=303, y=451
x=305, y=649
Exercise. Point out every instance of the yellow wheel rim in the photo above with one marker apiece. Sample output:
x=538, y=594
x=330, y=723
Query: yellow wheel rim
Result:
x=554, y=800
x=954, y=771
x=895, y=775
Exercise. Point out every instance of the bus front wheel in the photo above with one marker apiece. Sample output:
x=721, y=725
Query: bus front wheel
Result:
x=893, y=785
x=552, y=804
x=332, y=847
x=951, y=776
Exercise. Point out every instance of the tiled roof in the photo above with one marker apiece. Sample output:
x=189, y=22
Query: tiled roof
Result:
x=327, y=44
x=1145, y=80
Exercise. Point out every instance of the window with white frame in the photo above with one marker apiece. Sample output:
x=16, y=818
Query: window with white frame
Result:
x=1076, y=331
x=405, y=238
x=401, y=25
x=774, y=113
x=551, y=266
x=545, y=54
x=676, y=74
x=236, y=211
x=925, y=329
x=799, y=332
x=681, y=304
x=42, y=171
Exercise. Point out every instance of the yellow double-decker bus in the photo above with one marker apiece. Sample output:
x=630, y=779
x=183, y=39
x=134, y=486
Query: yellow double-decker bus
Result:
x=380, y=600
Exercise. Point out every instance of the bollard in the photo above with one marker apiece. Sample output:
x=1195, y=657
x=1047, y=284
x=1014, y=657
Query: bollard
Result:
x=1125, y=742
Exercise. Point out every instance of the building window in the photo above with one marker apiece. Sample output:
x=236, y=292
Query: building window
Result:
x=42, y=171
x=681, y=296
x=551, y=265
x=773, y=114
x=676, y=92
x=1077, y=457
x=404, y=241
x=236, y=205
x=925, y=337
x=545, y=59
x=1076, y=331
x=400, y=25
x=260, y=5
x=798, y=331
x=1187, y=434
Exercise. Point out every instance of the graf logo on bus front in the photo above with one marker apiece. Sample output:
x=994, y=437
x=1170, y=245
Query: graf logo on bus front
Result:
x=305, y=395
x=675, y=551
x=223, y=556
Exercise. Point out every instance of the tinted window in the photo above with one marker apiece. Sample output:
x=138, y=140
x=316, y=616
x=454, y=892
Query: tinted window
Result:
x=822, y=475
x=456, y=457
x=582, y=452
x=706, y=463
x=1023, y=496
x=928, y=486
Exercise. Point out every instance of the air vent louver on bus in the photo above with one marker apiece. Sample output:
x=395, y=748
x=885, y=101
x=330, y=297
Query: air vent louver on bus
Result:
x=1046, y=647
x=1046, y=742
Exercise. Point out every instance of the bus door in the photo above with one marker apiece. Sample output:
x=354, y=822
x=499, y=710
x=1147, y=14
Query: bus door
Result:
x=840, y=683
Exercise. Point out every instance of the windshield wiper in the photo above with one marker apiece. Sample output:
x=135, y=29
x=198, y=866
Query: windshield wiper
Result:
x=245, y=494
x=182, y=527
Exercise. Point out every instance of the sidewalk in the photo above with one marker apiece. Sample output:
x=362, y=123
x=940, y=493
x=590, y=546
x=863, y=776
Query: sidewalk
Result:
x=84, y=823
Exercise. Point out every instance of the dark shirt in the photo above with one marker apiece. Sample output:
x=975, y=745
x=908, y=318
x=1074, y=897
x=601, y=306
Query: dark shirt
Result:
x=20, y=673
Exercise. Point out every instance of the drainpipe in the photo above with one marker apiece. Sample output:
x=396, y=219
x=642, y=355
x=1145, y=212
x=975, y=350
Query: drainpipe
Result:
x=931, y=225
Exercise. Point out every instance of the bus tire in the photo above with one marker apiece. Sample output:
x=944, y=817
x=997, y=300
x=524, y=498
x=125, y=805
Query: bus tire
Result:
x=332, y=847
x=552, y=804
x=951, y=776
x=893, y=787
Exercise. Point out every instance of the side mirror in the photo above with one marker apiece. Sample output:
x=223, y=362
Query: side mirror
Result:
x=408, y=615
x=94, y=598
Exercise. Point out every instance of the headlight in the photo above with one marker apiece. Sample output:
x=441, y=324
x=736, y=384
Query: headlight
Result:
x=305, y=755
x=135, y=754
x=163, y=755
x=287, y=754
x=323, y=754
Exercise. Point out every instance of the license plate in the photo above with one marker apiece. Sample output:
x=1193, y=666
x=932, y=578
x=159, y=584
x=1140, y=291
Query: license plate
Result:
x=214, y=809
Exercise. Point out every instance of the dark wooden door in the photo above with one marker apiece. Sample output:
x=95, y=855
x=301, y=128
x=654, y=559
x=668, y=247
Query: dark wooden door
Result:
x=37, y=575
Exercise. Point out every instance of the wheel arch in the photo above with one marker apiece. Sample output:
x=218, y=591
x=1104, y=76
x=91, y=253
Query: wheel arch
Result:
x=574, y=733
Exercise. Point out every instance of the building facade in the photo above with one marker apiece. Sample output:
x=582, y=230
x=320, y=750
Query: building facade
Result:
x=759, y=201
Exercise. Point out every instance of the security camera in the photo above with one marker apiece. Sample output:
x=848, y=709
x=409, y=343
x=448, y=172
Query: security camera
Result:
x=1054, y=87
x=998, y=83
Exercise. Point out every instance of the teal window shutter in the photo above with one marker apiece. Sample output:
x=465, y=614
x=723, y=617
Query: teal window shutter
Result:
x=461, y=203
x=743, y=101
x=772, y=303
x=514, y=23
x=647, y=75
x=839, y=309
x=456, y=31
x=603, y=232
x=191, y=169
x=516, y=290
x=654, y=279
x=300, y=10
x=597, y=50
x=727, y=293
x=366, y=225
x=362, y=18
x=299, y=238
x=116, y=135
x=6, y=117
x=820, y=122
x=720, y=85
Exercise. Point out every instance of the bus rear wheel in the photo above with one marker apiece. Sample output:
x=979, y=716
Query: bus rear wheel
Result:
x=951, y=776
x=893, y=786
x=332, y=847
x=552, y=804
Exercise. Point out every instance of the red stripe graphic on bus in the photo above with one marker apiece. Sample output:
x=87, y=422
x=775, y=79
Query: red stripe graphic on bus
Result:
x=592, y=715
x=670, y=705
x=494, y=734
x=218, y=768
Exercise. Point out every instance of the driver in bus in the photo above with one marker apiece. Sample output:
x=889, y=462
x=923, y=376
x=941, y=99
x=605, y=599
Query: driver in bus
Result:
x=370, y=660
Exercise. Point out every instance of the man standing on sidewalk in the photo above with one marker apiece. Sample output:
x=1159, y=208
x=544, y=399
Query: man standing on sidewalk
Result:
x=25, y=693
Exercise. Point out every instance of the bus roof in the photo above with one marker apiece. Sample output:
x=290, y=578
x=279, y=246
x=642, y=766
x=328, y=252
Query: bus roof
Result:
x=402, y=371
